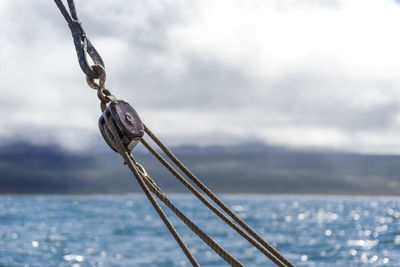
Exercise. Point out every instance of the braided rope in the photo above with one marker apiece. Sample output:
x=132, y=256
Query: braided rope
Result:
x=148, y=184
x=111, y=133
x=203, y=236
x=211, y=206
x=215, y=198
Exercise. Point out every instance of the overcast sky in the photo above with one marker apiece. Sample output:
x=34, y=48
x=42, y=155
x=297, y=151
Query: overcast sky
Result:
x=314, y=73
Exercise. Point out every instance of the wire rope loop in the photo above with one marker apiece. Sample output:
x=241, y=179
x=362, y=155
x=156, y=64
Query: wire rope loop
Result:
x=83, y=46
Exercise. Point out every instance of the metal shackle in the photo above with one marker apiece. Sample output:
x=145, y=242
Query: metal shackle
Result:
x=129, y=126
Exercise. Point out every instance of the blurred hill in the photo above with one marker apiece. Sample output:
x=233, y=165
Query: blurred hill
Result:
x=249, y=168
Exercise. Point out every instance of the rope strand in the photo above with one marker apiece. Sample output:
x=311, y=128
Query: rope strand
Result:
x=219, y=202
x=83, y=47
x=148, y=184
x=210, y=205
x=127, y=158
x=145, y=184
x=195, y=229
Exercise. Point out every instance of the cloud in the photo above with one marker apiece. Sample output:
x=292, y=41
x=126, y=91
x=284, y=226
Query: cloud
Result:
x=304, y=73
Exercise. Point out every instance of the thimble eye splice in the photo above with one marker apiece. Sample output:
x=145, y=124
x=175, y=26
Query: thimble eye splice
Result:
x=129, y=126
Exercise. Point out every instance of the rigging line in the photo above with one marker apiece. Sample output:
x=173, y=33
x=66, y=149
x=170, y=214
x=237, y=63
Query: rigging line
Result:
x=210, y=205
x=83, y=46
x=111, y=132
x=215, y=198
x=195, y=229
x=161, y=213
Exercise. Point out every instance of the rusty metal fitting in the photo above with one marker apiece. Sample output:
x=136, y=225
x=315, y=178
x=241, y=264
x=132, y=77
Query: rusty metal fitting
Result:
x=101, y=74
x=129, y=126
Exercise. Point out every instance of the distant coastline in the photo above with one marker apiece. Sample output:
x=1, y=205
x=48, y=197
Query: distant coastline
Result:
x=243, y=169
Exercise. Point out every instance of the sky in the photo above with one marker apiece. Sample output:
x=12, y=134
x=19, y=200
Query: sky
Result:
x=304, y=73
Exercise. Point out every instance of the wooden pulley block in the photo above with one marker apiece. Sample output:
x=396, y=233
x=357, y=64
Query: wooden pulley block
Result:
x=129, y=126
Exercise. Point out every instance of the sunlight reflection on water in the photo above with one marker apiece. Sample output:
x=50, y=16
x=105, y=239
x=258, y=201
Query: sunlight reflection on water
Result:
x=124, y=230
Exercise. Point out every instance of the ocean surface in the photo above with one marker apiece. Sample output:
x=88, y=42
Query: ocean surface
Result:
x=124, y=230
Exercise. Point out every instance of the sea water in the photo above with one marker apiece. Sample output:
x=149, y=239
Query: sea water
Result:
x=124, y=230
